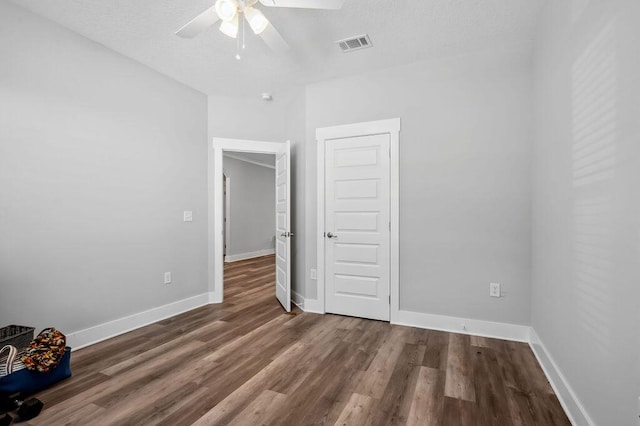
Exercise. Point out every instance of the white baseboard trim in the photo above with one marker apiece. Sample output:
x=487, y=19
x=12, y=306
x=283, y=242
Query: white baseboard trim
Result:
x=297, y=299
x=215, y=297
x=497, y=330
x=567, y=397
x=89, y=336
x=243, y=256
x=313, y=306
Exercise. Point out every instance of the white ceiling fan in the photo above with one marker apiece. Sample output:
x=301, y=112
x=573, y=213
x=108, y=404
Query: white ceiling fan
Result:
x=231, y=12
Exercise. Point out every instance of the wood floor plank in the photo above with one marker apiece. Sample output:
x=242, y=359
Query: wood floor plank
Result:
x=153, y=401
x=321, y=390
x=357, y=411
x=397, y=397
x=262, y=410
x=115, y=389
x=176, y=349
x=428, y=398
x=234, y=402
x=247, y=362
x=460, y=413
x=174, y=407
x=491, y=399
x=76, y=384
x=529, y=376
x=459, y=382
x=340, y=401
x=379, y=372
x=243, y=344
x=80, y=416
x=437, y=350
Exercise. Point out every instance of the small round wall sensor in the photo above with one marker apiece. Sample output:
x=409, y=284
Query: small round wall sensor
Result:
x=267, y=97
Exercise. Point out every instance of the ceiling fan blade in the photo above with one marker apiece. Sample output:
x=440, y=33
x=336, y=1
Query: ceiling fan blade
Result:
x=304, y=4
x=198, y=24
x=274, y=40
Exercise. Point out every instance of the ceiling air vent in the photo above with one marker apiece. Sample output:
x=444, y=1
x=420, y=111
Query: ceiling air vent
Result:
x=354, y=43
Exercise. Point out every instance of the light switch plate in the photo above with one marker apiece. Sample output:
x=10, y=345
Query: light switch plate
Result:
x=167, y=277
x=494, y=290
x=314, y=274
x=188, y=216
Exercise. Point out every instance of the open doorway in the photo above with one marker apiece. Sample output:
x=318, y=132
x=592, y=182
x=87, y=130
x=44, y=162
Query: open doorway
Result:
x=249, y=224
x=254, y=240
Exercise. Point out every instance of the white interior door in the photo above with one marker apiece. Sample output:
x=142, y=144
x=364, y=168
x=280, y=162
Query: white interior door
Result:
x=226, y=182
x=357, y=226
x=283, y=226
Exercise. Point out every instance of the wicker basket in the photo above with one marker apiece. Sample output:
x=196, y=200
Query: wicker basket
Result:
x=16, y=335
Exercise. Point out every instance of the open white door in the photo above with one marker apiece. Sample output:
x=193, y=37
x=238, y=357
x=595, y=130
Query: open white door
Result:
x=283, y=226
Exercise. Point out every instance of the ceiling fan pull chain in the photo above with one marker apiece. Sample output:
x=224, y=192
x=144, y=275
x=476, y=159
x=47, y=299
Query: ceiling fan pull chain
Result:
x=238, y=47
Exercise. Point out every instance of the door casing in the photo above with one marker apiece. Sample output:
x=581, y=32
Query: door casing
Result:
x=226, y=220
x=392, y=128
x=215, y=263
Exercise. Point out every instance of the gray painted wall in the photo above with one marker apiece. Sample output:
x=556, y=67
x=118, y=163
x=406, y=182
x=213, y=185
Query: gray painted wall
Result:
x=464, y=174
x=276, y=121
x=586, y=229
x=295, y=113
x=243, y=118
x=99, y=156
x=252, y=207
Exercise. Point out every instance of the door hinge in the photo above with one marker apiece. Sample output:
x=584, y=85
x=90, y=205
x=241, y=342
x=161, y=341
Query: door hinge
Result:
x=389, y=299
x=389, y=226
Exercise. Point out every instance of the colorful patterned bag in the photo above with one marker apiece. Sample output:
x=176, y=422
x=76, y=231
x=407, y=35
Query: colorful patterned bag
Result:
x=29, y=382
x=45, y=351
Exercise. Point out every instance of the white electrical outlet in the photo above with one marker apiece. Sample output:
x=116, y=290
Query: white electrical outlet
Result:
x=167, y=277
x=314, y=274
x=187, y=216
x=494, y=290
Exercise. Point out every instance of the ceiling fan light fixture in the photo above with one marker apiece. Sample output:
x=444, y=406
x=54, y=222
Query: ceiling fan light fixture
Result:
x=230, y=28
x=227, y=10
x=257, y=21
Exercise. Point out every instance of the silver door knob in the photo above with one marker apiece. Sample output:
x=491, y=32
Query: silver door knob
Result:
x=331, y=235
x=287, y=234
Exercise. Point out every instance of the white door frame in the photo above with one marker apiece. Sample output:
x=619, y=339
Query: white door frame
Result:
x=392, y=128
x=216, y=262
x=227, y=215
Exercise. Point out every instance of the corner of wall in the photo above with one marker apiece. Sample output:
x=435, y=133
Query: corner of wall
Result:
x=563, y=390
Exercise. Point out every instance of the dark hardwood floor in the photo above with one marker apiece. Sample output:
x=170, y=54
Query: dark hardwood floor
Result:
x=247, y=362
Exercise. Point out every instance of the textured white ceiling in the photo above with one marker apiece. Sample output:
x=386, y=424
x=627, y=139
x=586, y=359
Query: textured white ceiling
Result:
x=402, y=31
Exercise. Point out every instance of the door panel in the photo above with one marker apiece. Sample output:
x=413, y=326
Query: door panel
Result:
x=283, y=226
x=357, y=256
x=225, y=215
